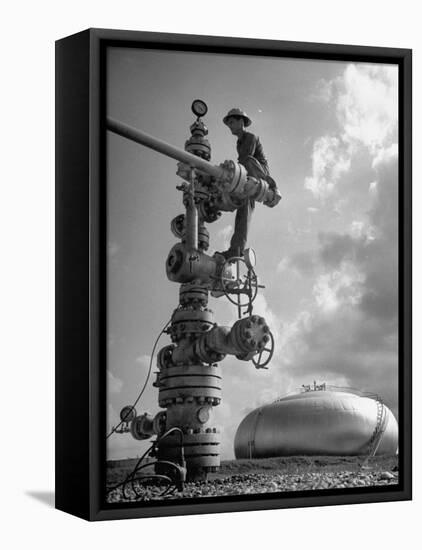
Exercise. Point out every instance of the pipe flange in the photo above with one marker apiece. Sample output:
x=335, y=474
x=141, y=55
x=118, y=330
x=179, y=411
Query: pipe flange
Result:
x=164, y=357
x=193, y=294
x=198, y=146
x=141, y=427
x=203, y=238
x=205, y=353
x=209, y=211
x=189, y=321
x=175, y=260
x=235, y=176
x=177, y=226
x=159, y=423
x=250, y=334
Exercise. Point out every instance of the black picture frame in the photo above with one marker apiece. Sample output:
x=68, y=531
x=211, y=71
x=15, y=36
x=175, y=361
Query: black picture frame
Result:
x=81, y=271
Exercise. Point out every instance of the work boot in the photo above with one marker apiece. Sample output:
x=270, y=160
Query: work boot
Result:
x=271, y=182
x=217, y=293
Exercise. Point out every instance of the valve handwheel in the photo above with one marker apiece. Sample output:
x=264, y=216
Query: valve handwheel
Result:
x=261, y=363
x=246, y=283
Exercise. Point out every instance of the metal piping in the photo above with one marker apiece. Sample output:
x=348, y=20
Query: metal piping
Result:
x=191, y=218
x=163, y=147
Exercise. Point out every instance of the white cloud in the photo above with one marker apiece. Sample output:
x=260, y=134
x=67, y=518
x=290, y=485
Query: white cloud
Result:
x=365, y=101
x=356, y=228
x=330, y=160
x=261, y=307
x=225, y=233
x=290, y=344
x=283, y=264
x=337, y=288
x=349, y=334
x=384, y=155
x=339, y=206
x=367, y=104
x=143, y=360
x=362, y=230
x=373, y=187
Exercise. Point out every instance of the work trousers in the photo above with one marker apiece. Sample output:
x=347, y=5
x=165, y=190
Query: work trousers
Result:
x=244, y=212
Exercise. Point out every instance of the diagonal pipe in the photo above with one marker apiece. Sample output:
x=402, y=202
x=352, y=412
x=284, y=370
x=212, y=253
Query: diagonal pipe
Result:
x=165, y=148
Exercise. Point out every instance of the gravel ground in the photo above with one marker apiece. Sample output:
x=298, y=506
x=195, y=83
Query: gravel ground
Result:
x=310, y=478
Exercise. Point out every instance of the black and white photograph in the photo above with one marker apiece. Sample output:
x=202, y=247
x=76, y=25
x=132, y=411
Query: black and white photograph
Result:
x=209, y=245
x=252, y=276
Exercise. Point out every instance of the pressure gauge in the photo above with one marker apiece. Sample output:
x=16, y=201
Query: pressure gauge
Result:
x=127, y=414
x=250, y=257
x=199, y=108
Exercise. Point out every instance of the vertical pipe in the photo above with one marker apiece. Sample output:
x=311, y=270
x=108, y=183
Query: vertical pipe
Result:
x=239, y=309
x=191, y=217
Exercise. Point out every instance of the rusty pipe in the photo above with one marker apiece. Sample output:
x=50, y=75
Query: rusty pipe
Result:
x=165, y=148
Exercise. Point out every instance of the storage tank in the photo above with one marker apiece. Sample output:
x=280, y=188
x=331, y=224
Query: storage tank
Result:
x=323, y=422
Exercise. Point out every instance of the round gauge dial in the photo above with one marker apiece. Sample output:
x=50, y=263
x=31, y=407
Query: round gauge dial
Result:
x=127, y=414
x=250, y=257
x=203, y=415
x=199, y=107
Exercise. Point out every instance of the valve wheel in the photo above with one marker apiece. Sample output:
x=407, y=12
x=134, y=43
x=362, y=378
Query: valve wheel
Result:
x=269, y=348
x=243, y=284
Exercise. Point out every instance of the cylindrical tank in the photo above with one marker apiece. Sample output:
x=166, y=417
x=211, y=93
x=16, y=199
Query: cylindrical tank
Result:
x=318, y=423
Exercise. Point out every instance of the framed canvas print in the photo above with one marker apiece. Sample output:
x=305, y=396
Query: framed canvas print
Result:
x=233, y=274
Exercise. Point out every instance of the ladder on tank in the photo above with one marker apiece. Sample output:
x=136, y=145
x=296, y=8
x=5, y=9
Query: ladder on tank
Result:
x=381, y=425
x=381, y=421
x=251, y=441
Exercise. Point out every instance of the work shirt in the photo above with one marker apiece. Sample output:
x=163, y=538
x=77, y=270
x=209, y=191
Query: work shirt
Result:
x=248, y=145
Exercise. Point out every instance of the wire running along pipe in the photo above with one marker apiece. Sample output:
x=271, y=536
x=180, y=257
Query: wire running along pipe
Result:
x=146, y=381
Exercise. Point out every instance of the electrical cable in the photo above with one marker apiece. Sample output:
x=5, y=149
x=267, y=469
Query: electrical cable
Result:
x=146, y=381
x=153, y=476
x=134, y=469
x=131, y=479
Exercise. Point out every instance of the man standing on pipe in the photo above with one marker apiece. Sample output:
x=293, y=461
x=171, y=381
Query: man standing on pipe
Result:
x=251, y=156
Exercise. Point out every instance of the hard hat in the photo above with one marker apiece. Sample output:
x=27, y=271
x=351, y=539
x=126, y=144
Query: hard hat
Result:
x=238, y=112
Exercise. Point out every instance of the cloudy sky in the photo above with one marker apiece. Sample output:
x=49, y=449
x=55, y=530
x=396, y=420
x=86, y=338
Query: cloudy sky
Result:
x=327, y=254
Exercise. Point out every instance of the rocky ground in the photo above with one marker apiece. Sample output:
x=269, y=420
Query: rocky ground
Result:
x=277, y=475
